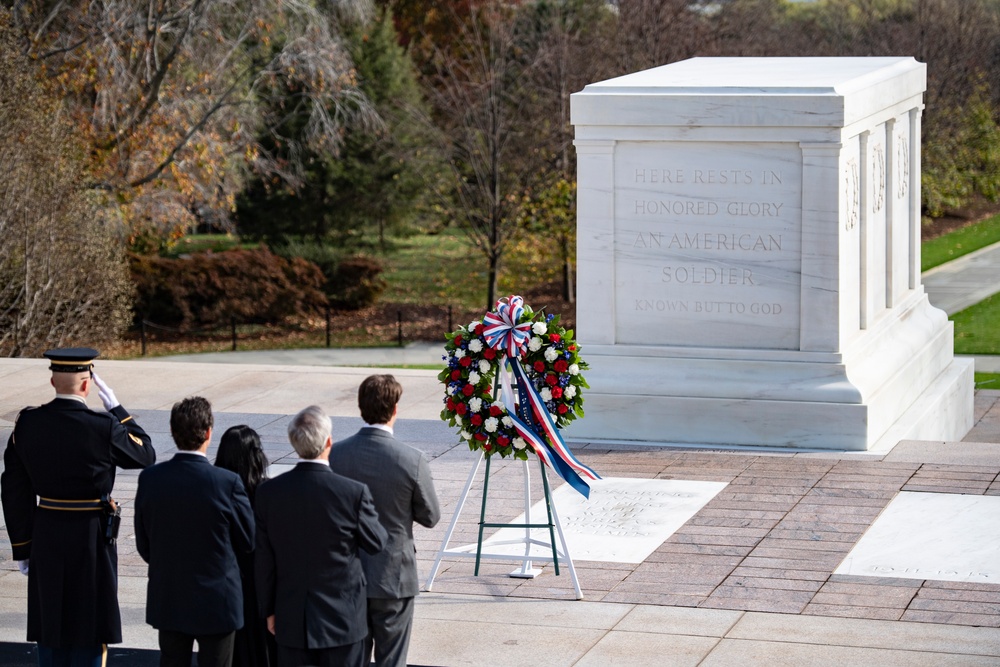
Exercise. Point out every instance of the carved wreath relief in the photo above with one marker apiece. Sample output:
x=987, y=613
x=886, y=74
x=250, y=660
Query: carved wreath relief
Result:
x=903, y=168
x=878, y=178
x=852, y=185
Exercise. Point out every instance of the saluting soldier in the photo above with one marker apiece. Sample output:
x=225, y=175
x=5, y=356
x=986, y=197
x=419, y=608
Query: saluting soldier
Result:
x=65, y=454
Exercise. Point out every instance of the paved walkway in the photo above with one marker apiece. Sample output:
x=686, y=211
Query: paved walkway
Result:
x=748, y=581
x=965, y=281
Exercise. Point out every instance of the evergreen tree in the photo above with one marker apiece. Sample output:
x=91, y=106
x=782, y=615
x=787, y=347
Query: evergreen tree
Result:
x=372, y=186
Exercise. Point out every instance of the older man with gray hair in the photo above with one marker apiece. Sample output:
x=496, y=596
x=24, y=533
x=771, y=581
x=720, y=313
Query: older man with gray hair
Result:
x=311, y=524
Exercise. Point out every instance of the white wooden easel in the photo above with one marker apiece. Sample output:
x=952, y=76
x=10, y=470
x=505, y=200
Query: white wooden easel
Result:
x=527, y=570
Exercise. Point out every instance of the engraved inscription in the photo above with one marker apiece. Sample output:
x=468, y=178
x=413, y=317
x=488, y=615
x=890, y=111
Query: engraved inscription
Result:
x=707, y=235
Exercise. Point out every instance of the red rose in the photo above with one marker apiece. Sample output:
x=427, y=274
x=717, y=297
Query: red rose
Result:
x=488, y=353
x=561, y=365
x=450, y=404
x=503, y=440
x=456, y=374
x=551, y=379
x=457, y=341
x=571, y=348
x=479, y=329
x=494, y=411
x=539, y=366
x=477, y=419
x=480, y=437
x=562, y=409
x=468, y=390
x=460, y=408
x=555, y=338
x=556, y=392
x=465, y=361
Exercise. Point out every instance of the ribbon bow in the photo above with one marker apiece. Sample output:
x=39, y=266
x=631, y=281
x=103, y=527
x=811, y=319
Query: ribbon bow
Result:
x=501, y=329
x=530, y=416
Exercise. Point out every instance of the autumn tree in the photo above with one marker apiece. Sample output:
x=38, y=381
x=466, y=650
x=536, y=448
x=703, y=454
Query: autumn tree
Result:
x=480, y=91
x=63, y=278
x=172, y=96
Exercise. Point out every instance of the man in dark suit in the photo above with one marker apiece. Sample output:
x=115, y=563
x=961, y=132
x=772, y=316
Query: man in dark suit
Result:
x=192, y=520
x=66, y=454
x=311, y=524
x=400, y=482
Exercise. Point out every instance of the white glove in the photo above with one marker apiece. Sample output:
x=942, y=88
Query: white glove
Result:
x=107, y=396
x=22, y=565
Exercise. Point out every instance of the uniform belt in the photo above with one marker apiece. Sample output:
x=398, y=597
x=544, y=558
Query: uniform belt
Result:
x=70, y=505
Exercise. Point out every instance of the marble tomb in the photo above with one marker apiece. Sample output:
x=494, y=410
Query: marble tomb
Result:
x=748, y=258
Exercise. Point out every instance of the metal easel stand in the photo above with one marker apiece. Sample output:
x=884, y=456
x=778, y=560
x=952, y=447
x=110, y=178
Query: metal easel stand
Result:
x=527, y=570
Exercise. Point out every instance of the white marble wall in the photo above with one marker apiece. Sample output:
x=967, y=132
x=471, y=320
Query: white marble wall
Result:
x=748, y=257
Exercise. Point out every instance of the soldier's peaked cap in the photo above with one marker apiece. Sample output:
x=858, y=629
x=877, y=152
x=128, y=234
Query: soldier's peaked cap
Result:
x=71, y=359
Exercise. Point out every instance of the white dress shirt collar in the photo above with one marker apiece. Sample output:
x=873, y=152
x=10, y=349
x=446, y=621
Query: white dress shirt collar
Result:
x=382, y=427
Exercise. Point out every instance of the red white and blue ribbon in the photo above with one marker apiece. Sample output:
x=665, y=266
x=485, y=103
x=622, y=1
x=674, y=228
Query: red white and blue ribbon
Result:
x=531, y=418
x=501, y=329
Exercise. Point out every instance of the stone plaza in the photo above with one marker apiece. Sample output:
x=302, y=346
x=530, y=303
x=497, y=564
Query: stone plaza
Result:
x=752, y=577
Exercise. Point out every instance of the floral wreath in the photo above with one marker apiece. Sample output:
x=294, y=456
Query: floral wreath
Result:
x=551, y=362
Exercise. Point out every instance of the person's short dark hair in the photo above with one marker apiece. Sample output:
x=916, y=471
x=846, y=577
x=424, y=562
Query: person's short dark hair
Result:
x=241, y=452
x=190, y=421
x=377, y=398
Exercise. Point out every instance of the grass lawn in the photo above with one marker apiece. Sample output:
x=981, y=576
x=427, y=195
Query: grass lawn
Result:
x=439, y=269
x=987, y=380
x=953, y=245
x=977, y=328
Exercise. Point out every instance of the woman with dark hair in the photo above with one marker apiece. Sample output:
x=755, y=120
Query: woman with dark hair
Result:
x=241, y=452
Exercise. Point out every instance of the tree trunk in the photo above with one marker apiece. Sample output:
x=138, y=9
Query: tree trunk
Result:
x=491, y=282
x=569, y=294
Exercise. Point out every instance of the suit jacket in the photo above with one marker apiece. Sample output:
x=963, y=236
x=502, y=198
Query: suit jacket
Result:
x=63, y=450
x=311, y=523
x=400, y=482
x=192, y=519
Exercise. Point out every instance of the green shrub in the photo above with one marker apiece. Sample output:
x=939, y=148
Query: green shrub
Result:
x=207, y=289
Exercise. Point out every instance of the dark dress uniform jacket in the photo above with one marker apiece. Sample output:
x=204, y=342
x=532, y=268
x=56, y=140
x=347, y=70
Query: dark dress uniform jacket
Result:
x=311, y=523
x=399, y=479
x=63, y=450
x=192, y=521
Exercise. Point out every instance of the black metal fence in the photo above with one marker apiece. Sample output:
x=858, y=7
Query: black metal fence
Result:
x=147, y=329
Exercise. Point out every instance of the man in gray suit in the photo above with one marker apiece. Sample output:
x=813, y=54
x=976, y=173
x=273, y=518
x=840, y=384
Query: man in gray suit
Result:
x=399, y=479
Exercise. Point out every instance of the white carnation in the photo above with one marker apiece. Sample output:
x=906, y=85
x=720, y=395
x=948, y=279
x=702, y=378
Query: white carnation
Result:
x=539, y=328
x=498, y=404
x=491, y=425
x=466, y=435
x=459, y=353
x=473, y=325
x=574, y=369
x=473, y=377
x=508, y=422
x=535, y=344
x=476, y=345
x=569, y=392
x=475, y=404
x=546, y=394
x=484, y=366
x=551, y=354
x=519, y=443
